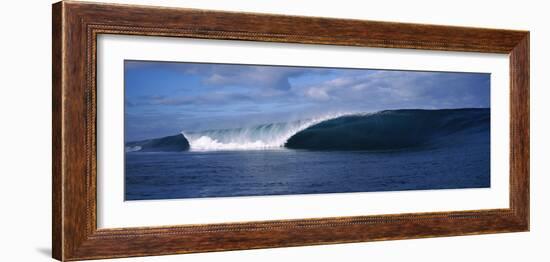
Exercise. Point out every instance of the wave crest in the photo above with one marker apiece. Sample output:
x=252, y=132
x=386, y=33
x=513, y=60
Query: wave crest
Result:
x=384, y=130
x=260, y=137
x=396, y=129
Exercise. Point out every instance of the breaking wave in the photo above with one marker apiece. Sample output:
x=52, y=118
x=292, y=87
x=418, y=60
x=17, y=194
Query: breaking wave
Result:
x=396, y=129
x=266, y=136
x=384, y=130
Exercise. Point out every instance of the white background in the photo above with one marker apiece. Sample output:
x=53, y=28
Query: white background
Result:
x=25, y=192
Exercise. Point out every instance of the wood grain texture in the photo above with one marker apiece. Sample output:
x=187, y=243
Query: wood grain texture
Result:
x=76, y=26
x=519, y=129
x=57, y=190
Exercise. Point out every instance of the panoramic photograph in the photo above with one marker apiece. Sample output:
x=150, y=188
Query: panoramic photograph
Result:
x=196, y=130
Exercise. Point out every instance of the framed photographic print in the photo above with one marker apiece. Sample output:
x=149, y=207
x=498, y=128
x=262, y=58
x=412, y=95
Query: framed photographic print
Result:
x=182, y=130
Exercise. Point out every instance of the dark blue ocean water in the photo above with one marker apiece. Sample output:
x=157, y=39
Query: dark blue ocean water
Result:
x=285, y=171
x=387, y=151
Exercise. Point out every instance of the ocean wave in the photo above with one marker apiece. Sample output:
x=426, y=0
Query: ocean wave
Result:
x=259, y=137
x=394, y=129
x=384, y=130
x=175, y=143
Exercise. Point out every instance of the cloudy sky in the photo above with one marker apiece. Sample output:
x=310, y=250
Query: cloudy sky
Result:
x=164, y=98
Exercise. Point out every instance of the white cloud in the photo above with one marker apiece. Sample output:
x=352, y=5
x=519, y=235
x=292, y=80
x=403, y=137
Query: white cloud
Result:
x=318, y=93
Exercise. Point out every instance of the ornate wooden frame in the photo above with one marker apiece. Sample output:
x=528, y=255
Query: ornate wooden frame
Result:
x=76, y=26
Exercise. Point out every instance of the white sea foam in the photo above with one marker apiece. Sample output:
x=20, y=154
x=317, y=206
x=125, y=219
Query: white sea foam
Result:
x=266, y=136
x=132, y=148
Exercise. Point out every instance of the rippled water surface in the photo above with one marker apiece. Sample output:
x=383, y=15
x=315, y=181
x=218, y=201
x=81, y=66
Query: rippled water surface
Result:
x=285, y=171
